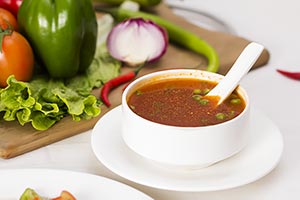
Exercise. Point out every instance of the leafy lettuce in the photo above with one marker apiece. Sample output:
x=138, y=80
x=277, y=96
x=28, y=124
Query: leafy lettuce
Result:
x=43, y=101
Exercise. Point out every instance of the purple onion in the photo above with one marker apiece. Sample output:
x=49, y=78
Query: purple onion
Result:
x=136, y=41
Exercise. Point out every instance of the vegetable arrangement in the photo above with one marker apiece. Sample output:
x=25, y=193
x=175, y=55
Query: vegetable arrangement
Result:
x=30, y=194
x=69, y=52
x=176, y=34
x=44, y=100
x=126, y=42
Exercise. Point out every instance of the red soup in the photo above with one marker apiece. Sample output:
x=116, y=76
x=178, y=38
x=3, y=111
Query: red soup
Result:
x=181, y=102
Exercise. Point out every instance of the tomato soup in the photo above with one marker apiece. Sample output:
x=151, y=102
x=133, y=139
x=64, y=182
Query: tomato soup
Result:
x=182, y=102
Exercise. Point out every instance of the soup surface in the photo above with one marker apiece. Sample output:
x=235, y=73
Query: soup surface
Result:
x=180, y=102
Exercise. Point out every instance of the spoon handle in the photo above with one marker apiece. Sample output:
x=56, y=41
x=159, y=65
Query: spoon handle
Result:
x=241, y=66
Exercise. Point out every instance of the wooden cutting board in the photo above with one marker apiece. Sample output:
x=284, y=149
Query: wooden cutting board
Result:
x=16, y=139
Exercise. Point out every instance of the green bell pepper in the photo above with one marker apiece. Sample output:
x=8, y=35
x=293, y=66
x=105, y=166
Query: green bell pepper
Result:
x=63, y=34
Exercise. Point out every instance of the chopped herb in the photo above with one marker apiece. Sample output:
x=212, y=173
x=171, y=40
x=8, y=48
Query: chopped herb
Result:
x=231, y=113
x=206, y=91
x=235, y=101
x=203, y=101
x=220, y=116
x=196, y=97
x=197, y=91
x=138, y=92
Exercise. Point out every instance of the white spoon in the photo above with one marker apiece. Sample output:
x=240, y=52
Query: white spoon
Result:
x=240, y=68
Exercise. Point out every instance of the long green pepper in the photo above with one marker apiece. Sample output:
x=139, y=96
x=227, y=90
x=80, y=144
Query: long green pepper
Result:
x=176, y=34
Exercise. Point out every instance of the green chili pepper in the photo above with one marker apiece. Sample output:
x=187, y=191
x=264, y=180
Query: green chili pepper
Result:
x=176, y=34
x=63, y=34
x=144, y=3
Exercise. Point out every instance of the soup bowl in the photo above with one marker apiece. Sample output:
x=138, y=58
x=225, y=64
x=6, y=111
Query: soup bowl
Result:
x=182, y=146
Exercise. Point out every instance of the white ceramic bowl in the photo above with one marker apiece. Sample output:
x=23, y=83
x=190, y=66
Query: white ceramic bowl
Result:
x=187, y=147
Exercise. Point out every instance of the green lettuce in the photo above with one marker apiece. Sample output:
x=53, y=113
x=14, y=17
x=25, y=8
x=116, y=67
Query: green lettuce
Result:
x=44, y=101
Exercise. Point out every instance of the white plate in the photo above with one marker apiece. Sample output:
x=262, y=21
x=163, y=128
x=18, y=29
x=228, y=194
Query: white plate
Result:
x=201, y=18
x=260, y=156
x=50, y=183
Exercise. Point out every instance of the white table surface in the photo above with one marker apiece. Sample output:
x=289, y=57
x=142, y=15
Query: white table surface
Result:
x=275, y=24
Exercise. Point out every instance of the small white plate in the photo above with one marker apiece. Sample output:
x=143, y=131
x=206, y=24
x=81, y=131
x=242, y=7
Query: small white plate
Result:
x=200, y=18
x=260, y=156
x=50, y=183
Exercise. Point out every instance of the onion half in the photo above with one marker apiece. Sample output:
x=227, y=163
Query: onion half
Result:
x=136, y=41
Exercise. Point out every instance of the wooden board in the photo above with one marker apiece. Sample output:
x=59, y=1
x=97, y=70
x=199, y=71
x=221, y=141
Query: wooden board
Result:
x=16, y=139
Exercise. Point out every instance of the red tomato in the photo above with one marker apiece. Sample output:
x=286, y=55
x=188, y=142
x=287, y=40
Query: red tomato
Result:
x=16, y=56
x=11, y=5
x=7, y=17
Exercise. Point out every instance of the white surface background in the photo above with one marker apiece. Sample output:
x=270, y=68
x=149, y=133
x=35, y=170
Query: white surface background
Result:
x=275, y=24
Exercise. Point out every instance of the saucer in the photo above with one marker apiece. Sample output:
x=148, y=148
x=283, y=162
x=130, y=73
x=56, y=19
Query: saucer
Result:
x=256, y=160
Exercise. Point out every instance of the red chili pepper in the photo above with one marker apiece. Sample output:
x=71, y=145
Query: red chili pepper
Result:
x=115, y=82
x=292, y=75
